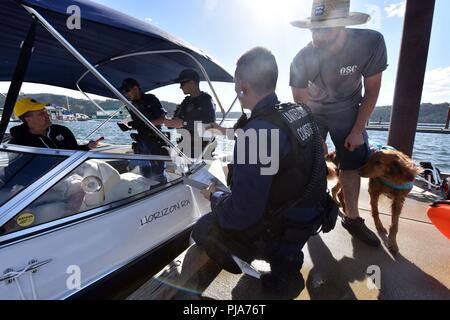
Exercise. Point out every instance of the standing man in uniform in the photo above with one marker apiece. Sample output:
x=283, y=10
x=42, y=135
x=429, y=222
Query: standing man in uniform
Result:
x=197, y=107
x=267, y=216
x=148, y=142
x=329, y=75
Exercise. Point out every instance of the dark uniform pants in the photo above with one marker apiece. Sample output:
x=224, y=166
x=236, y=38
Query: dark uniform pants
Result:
x=220, y=244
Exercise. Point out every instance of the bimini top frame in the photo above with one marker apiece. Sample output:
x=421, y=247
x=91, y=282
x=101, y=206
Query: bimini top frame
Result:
x=102, y=79
x=143, y=53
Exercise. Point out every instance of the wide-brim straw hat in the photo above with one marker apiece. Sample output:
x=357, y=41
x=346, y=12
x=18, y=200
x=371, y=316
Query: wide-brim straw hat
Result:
x=331, y=14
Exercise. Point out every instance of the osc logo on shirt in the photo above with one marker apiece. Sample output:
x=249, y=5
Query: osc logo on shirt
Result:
x=348, y=71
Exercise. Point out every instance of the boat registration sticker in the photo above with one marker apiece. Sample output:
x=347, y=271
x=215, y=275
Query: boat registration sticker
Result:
x=25, y=219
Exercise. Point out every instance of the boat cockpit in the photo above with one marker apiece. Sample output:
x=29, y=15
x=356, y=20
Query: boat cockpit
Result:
x=80, y=182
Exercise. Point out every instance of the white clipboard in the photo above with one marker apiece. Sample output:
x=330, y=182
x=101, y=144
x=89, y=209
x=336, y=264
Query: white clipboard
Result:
x=203, y=179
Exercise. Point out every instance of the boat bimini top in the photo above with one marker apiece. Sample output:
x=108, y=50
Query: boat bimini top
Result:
x=79, y=44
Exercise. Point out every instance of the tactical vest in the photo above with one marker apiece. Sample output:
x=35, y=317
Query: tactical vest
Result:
x=302, y=173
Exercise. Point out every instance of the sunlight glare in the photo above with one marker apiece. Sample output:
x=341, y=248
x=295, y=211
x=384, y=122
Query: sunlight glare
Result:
x=270, y=11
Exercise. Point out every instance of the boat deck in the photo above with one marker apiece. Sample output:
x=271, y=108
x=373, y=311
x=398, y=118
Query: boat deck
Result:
x=336, y=266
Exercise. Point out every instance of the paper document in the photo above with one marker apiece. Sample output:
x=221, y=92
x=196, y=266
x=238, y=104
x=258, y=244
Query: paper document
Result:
x=247, y=268
x=203, y=179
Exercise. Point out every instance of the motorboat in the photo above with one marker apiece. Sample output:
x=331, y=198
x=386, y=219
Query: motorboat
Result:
x=70, y=219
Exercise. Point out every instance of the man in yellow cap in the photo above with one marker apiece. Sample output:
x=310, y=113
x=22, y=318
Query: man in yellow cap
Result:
x=38, y=131
x=328, y=75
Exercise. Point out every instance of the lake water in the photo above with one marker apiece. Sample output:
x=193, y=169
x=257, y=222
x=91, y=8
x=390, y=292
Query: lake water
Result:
x=433, y=148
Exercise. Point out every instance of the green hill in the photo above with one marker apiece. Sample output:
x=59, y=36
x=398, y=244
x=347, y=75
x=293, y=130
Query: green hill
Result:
x=85, y=106
x=429, y=113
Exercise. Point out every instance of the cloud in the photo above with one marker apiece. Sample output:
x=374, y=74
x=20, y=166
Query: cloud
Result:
x=436, y=88
x=396, y=9
x=34, y=88
x=211, y=5
x=376, y=17
x=437, y=85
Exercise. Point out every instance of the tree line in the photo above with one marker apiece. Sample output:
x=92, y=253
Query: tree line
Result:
x=429, y=113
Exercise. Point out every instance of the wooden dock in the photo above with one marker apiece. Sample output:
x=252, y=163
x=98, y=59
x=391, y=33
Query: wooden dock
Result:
x=336, y=265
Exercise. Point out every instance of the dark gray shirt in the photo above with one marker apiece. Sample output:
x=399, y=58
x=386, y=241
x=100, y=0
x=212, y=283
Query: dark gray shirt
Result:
x=334, y=82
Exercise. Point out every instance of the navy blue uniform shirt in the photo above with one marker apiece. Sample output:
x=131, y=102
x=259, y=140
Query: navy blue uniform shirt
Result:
x=150, y=106
x=246, y=205
x=193, y=109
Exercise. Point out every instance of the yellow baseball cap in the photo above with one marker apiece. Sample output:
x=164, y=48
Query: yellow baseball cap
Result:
x=26, y=105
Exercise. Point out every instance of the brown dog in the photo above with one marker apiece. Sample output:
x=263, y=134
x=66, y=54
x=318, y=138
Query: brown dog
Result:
x=333, y=172
x=392, y=174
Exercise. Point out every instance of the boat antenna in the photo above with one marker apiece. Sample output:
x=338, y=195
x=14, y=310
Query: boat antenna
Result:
x=68, y=105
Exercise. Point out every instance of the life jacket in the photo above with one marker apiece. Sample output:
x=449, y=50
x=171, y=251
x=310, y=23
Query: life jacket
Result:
x=304, y=166
x=439, y=214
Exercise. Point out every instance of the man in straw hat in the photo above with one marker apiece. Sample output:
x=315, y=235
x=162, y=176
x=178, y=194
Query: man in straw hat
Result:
x=328, y=75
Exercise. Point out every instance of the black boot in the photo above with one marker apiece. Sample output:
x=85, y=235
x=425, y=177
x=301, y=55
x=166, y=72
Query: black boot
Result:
x=357, y=228
x=284, y=279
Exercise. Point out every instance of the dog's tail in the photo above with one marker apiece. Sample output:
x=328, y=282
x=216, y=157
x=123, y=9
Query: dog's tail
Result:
x=333, y=171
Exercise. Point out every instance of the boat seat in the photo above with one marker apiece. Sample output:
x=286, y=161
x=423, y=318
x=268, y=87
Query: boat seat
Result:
x=130, y=185
x=116, y=186
x=109, y=177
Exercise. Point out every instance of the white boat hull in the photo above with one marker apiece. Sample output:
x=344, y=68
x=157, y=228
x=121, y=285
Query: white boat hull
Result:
x=85, y=252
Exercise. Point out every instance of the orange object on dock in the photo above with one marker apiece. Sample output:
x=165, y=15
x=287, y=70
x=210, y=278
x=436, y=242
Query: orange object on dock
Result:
x=439, y=214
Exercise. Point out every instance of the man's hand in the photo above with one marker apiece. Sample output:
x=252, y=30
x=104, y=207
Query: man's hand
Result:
x=209, y=191
x=300, y=95
x=175, y=123
x=214, y=126
x=354, y=141
x=94, y=143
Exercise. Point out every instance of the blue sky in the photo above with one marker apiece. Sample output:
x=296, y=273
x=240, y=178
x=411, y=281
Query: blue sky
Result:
x=227, y=28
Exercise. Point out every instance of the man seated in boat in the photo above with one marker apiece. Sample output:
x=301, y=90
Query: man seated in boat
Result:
x=38, y=131
x=197, y=107
x=147, y=141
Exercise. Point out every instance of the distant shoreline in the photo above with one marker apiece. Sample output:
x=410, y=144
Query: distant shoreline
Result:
x=419, y=130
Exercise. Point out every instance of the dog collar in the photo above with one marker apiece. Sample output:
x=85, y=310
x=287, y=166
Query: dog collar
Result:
x=406, y=186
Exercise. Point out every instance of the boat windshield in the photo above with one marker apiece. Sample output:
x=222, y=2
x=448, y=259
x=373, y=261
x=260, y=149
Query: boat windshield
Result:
x=19, y=170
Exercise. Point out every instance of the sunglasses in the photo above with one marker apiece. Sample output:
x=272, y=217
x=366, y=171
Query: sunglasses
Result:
x=182, y=83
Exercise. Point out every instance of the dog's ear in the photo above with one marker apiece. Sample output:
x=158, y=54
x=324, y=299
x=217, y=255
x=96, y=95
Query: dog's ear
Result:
x=410, y=173
x=402, y=171
x=395, y=169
